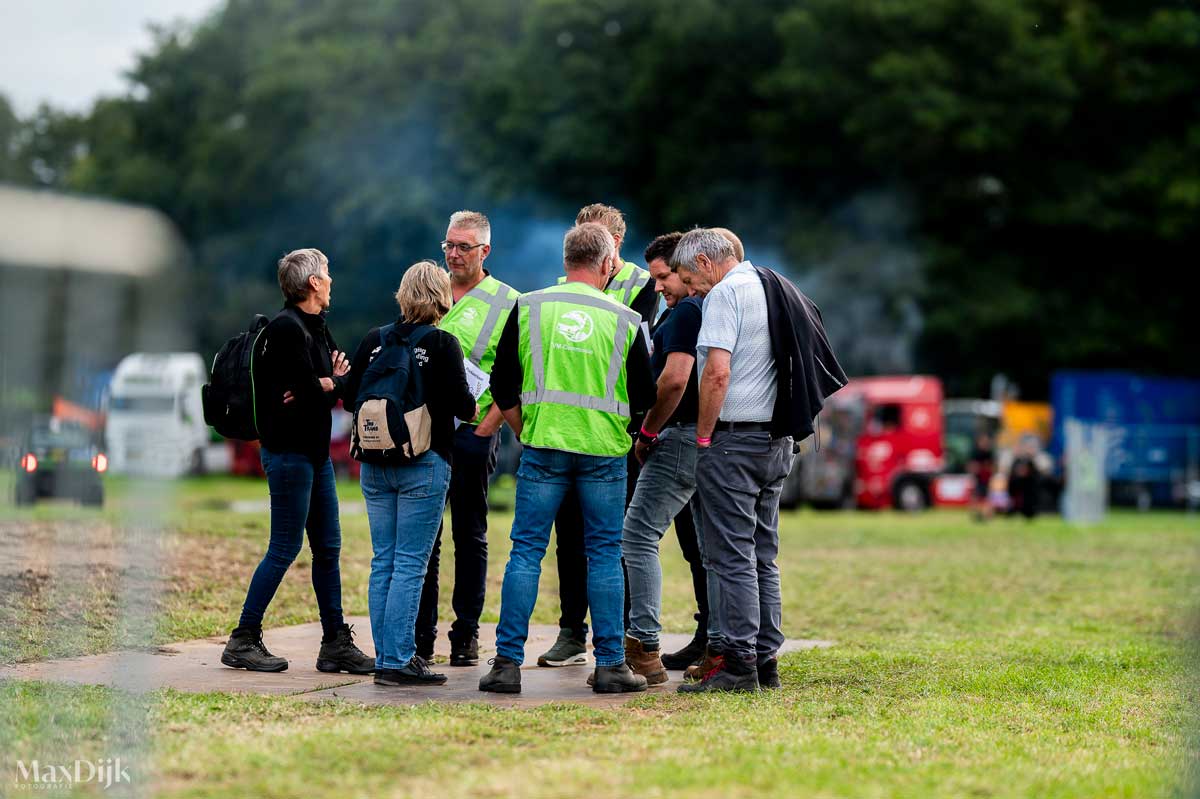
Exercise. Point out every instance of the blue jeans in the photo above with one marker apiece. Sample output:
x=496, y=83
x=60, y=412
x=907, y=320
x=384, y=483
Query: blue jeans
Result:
x=303, y=497
x=666, y=483
x=543, y=479
x=404, y=509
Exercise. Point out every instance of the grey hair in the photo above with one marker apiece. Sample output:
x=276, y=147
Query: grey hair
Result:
x=472, y=220
x=704, y=241
x=296, y=268
x=587, y=245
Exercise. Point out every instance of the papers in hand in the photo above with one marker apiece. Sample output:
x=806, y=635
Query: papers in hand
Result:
x=477, y=379
x=477, y=382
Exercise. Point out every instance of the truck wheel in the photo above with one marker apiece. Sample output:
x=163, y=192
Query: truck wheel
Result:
x=26, y=493
x=94, y=497
x=909, y=495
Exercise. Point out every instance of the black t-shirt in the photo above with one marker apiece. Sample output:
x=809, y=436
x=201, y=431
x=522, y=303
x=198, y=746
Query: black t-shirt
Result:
x=440, y=359
x=676, y=331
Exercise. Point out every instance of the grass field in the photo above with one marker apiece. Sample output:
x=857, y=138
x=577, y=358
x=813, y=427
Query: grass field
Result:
x=1006, y=659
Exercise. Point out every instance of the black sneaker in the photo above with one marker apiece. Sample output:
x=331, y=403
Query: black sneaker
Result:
x=693, y=651
x=768, y=674
x=618, y=679
x=504, y=678
x=720, y=678
x=415, y=672
x=246, y=650
x=340, y=654
x=466, y=653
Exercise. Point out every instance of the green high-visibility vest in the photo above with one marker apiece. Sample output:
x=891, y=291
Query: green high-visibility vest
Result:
x=573, y=344
x=625, y=285
x=476, y=321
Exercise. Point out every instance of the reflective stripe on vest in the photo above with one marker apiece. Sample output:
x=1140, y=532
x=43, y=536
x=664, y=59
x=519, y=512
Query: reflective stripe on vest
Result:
x=497, y=305
x=607, y=403
x=629, y=282
x=625, y=285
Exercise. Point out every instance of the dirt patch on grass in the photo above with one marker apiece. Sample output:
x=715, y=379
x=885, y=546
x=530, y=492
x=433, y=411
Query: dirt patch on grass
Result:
x=70, y=588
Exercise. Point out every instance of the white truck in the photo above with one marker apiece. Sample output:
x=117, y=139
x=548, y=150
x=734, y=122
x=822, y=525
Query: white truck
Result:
x=155, y=425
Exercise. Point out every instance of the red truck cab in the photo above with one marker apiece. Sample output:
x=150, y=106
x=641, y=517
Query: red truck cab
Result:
x=900, y=447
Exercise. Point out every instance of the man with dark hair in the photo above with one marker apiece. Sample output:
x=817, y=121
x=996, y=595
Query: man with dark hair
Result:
x=666, y=450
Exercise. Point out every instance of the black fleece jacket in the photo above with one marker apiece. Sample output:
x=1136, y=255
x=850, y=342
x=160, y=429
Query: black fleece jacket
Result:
x=288, y=360
x=808, y=371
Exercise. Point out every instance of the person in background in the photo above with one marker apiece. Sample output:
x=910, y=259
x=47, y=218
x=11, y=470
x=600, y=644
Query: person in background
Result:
x=405, y=499
x=1024, y=479
x=982, y=465
x=571, y=369
x=299, y=375
x=481, y=307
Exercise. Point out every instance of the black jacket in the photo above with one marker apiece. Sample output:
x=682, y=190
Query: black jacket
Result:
x=807, y=369
x=294, y=358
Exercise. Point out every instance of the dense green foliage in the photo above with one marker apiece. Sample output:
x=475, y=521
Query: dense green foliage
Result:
x=966, y=186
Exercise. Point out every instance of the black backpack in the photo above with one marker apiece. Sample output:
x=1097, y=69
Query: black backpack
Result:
x=228, y=400
x=391, y=422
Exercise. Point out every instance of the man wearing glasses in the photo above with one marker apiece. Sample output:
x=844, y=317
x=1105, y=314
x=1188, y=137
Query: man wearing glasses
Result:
x=481, y=307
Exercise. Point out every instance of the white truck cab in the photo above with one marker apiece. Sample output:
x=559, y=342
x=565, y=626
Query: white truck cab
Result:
x=155, y=425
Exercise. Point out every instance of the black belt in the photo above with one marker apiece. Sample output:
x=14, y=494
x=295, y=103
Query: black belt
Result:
x=743, y=427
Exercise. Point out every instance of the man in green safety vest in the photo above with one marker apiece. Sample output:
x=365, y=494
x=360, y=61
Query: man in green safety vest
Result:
x=570, y=371
x=482, y=304
x=633, y=287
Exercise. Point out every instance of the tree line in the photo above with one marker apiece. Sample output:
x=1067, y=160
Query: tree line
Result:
x=965, y=186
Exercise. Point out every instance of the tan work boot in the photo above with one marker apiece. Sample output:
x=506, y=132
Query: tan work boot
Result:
x=645, y=662
x=710, y=661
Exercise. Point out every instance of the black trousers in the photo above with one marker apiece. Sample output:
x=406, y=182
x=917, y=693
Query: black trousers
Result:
x=474, y=462
x=572, y=562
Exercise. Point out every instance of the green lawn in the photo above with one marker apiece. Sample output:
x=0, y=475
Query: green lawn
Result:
x=1006, y=659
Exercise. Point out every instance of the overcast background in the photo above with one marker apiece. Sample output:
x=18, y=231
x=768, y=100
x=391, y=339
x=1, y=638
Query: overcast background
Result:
x=69, y=52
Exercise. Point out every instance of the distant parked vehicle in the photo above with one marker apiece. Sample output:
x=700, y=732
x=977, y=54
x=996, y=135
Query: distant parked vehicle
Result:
x=155, y=424
x=1153, y=425
x=60, y=460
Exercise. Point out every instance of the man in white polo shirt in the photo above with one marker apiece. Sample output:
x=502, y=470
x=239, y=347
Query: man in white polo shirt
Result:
x=740, y=468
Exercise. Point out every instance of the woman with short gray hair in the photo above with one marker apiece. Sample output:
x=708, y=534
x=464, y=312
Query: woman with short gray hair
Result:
x=299, y=376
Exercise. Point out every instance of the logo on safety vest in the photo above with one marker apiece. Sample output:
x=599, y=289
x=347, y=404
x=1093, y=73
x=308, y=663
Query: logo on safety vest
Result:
x=469, y=315
x=576, y=326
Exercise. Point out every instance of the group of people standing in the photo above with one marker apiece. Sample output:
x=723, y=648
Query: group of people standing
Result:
x=628, y=423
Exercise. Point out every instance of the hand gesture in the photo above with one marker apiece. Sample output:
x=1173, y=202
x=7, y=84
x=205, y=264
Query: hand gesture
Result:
x=341, y=364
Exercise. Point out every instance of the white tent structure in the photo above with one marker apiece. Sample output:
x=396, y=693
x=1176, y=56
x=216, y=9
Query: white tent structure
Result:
x=83, y=282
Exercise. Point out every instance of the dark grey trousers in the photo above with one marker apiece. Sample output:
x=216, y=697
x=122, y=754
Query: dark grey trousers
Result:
x=738, y=482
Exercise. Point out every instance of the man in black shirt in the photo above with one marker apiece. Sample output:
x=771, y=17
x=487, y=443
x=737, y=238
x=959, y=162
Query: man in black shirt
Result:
x=299, y=375
x=666, y=448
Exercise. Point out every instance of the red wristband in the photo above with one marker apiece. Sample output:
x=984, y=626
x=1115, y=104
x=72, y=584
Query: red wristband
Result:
x=647, y=434
x=700, y=440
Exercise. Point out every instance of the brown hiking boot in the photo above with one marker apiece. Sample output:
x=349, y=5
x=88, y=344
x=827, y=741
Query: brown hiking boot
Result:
x=710, y=661
x=641, y=661
x=645, y=662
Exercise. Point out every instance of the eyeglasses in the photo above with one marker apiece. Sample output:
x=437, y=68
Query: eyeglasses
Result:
x=463, y=249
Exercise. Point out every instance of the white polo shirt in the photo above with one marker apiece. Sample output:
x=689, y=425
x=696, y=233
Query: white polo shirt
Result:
x=735, y=319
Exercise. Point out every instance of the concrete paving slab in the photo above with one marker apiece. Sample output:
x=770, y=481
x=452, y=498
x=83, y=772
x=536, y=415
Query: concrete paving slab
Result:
x=195, y=666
